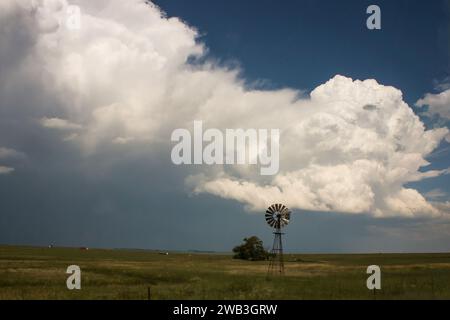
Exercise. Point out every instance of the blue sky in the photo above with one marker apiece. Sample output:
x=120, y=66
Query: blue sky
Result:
x=300, y=44
x=85, y=124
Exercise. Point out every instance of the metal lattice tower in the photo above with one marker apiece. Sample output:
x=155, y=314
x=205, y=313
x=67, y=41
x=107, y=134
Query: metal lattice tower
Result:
x=277, y=216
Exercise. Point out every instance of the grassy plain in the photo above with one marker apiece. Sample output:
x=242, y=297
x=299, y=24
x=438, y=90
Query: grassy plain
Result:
x=39, y=273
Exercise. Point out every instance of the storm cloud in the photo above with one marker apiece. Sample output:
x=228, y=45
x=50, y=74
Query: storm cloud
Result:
x=115, y=89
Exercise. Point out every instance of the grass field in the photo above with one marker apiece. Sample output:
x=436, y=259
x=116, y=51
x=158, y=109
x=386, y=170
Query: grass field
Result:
x=39, y=273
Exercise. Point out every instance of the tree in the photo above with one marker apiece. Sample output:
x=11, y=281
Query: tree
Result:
x=252, y=249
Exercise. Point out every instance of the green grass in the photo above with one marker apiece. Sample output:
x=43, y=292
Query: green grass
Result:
x=39, y=273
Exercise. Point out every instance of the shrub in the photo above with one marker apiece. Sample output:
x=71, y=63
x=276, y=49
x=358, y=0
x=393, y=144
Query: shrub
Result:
x=252, y=249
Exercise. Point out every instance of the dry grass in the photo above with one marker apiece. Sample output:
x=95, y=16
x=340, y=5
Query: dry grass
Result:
x=39, y=273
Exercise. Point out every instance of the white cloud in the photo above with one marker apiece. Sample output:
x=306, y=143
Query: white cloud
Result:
x=340, y=155
x=60, y=124
x=5, y=170
x=350, y=146
x=10, y=153
x=71, y=137
x=438, y=104
x=435, y=194
x=122, y=140
x=442, y=85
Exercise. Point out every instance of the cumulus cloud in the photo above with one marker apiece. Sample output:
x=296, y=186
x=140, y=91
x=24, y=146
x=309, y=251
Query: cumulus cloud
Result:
x=442, y=85
x=438, y=104
x=122, y=140
x=10, y=153
x=6, y=170
x=60, y=124
x=435, y=194
x=126, y=76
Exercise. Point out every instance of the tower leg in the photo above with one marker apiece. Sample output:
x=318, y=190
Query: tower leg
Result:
x=276, y=262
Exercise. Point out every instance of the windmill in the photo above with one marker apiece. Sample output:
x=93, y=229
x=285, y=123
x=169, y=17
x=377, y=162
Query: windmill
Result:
x=277, y=216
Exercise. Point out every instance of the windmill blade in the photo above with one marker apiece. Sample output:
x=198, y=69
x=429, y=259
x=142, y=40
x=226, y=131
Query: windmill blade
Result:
x=277, y=215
